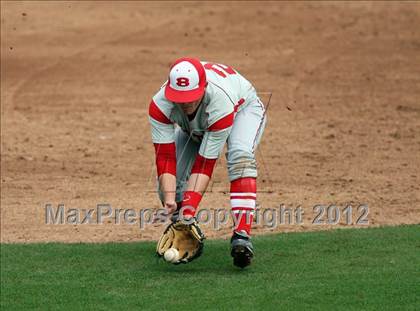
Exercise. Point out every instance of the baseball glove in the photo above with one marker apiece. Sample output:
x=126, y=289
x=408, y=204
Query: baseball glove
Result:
x=184, y=236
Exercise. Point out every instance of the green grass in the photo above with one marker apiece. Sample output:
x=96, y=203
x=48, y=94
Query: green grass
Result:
x=354, y=269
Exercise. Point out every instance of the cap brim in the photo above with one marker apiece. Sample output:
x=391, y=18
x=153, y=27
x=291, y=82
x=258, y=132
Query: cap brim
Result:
x=183, y=96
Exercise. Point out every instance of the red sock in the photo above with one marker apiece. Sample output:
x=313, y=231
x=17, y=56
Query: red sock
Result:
x=243, y=193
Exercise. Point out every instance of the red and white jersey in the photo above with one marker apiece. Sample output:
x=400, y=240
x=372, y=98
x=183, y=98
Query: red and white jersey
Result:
x=227, y=92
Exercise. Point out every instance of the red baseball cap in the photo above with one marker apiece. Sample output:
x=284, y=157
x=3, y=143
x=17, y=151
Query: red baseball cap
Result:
x=186, y=82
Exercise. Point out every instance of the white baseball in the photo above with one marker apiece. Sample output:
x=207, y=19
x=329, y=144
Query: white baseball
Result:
x=171, y=255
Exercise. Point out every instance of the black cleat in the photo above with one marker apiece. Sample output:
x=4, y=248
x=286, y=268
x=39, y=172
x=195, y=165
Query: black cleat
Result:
x=242, y=250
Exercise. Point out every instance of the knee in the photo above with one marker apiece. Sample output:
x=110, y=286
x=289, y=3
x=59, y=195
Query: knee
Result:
x=241, y=164
x=239, y=156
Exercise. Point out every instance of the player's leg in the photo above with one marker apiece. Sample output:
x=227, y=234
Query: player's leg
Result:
x=186, y=152
x=242, y=167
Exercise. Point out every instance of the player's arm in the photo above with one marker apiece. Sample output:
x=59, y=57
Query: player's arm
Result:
x=166, y=167
x=212, y=145
x=163, y=133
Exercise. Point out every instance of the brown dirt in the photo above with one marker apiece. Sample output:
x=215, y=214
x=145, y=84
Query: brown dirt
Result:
x=77, y=77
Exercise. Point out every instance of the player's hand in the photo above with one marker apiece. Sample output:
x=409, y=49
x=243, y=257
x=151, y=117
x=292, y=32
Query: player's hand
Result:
x=170, y=206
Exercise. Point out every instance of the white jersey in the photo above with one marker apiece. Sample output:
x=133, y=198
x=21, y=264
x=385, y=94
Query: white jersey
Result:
x=227, y=92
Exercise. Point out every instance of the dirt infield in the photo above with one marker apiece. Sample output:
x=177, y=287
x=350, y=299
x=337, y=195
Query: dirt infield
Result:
x=77, y=78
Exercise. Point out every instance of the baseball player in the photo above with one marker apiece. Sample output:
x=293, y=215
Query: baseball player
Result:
x=198, y=109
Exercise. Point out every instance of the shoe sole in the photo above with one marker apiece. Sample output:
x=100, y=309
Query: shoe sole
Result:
x=242, y=256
